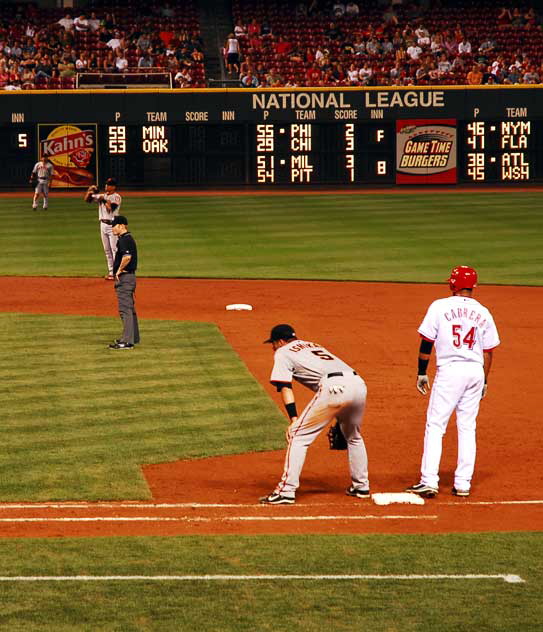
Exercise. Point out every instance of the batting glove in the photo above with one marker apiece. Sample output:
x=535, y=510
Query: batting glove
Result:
x=423, y=384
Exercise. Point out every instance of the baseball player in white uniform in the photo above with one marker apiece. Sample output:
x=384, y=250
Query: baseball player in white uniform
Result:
x=339, y=392
x=109, y=204
x=464, y=335
x=43, y=174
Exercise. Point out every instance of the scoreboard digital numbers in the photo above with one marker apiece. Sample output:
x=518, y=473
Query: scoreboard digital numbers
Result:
x=499, y=150
x=296, y=138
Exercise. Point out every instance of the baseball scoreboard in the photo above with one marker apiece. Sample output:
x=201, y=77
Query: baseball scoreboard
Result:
x=296, y=137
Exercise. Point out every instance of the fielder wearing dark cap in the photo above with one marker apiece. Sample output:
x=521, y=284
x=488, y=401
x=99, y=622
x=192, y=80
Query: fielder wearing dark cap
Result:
x=339, y=392
x=281, y=332
x=109, y=205
x=124, y=270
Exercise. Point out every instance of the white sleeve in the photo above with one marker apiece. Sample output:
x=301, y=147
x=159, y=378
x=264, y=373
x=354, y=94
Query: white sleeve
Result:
x=429, y=326
x=35, y=170
x=491, y=338
x=95, y=197
x=282, y=369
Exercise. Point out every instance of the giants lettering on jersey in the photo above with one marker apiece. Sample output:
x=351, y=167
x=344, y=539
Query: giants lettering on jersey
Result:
x=464, y=312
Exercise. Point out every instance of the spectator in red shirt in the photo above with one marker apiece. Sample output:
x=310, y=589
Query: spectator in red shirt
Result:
x=253, y=28
x=283, y=47
x=166, y=34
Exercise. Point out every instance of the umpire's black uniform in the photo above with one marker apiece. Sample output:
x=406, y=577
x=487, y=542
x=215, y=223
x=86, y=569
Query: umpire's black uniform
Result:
x=124, y=270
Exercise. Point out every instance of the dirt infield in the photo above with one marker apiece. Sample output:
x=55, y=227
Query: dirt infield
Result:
x=373, y=327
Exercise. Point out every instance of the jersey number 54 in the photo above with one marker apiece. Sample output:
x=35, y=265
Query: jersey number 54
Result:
x=468, y=340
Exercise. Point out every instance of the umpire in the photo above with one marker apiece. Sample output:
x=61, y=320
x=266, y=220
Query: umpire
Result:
x=124, y=271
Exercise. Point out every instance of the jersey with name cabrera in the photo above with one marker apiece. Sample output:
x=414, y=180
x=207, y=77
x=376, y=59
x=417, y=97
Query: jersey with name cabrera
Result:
x=461, y=328
x=306, y=362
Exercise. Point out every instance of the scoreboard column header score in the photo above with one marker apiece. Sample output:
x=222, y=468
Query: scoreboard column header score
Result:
x=295, y=137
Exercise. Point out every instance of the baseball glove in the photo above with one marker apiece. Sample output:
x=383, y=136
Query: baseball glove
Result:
x=335, y=438
x=93, y=189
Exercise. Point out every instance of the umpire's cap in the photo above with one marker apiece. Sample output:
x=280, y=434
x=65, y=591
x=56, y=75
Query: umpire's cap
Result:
x=119, y=219
x=112, y=182
x=281, y=332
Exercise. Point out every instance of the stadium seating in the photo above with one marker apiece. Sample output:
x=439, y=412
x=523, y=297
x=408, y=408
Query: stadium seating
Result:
x=41, y=26
x=308, y=33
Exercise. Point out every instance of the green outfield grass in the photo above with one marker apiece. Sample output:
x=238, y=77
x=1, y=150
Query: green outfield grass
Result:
x=78, y=420
x=438, y=605
x=404, y=237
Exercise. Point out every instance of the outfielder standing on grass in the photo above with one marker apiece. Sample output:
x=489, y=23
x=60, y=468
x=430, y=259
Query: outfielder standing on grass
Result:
x=124, y=269
x=42, y=175
x=339, y=392
x=109, y=204
x=464, y=335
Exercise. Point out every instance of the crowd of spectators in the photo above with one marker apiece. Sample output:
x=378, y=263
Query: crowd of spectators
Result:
x=41, y=48
x=384, y=42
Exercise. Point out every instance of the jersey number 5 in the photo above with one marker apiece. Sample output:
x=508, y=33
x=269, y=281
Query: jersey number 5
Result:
x=323, y=356
x=468, y=339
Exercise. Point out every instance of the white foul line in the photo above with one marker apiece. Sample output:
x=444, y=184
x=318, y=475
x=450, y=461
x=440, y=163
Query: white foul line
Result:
x=137, y=505
x=510, y=579
x=217, y=519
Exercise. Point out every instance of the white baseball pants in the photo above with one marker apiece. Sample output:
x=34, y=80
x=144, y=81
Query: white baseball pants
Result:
x=348, y=407
x=457, y=386
x=109, y=242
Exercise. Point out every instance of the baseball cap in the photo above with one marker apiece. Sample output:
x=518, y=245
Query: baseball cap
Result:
x=119, y=219
x=281, y=332
x=111, y=181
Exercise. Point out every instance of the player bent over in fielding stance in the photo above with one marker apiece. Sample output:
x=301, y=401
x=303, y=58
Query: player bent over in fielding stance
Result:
x=464, y=335
x=339, y=392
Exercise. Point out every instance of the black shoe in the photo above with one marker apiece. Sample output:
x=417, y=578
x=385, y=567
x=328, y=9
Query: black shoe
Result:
x=423, y=490
x=276, y=499
x=357, y=492
x=463, y=493
x=121, y=345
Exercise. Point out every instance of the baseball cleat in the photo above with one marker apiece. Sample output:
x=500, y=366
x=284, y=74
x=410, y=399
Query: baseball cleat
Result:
x=121, y=345
x=357, y=492
x=276, y=499
x=426, y=491
x=463, y=493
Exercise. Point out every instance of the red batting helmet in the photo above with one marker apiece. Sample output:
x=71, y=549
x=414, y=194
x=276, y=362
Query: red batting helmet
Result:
x=462, y=278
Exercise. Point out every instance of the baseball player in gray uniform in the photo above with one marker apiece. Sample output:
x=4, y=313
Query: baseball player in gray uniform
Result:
x=42, y=174
x=339, y=392
x=109, y=204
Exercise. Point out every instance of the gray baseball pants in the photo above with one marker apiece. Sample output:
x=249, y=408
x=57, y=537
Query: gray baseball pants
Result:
x=109, y=242
x=125, y=288
x=347, y=407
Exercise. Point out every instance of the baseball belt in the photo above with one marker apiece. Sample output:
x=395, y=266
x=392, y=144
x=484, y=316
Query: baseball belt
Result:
x=339, y=374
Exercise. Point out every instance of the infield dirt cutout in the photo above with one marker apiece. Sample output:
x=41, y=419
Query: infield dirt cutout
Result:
x=373, y=327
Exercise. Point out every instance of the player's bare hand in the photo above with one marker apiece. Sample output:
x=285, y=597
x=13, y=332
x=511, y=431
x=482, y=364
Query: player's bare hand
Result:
x=288, y=431
x=423, y=384
x=485, y=388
